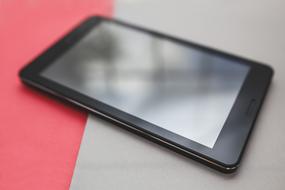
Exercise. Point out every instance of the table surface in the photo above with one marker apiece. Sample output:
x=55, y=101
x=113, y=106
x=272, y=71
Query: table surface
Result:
x=111, y=157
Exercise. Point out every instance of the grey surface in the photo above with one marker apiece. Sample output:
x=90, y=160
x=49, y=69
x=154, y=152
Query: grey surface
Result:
x=112, y=158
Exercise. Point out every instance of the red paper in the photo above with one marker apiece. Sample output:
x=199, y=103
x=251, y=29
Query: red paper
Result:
x=39, y=136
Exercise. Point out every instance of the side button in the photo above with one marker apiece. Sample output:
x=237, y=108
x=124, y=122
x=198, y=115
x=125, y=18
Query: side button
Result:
x=250, y=107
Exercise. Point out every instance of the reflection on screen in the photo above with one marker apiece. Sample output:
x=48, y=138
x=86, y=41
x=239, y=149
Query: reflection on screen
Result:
x=180, y=89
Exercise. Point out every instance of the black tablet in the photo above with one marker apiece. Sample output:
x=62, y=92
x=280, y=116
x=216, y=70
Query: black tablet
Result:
x=195, y=100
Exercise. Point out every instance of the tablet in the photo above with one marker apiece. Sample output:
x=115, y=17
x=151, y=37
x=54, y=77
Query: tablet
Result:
x=195, y=100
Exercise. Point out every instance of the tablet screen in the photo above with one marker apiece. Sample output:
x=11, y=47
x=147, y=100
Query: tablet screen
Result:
x=180, y=88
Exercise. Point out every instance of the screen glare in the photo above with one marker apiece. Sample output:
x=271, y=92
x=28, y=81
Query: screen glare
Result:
x=179, y=88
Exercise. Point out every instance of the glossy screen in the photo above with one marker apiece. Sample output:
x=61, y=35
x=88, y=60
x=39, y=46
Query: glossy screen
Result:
x=179, y=88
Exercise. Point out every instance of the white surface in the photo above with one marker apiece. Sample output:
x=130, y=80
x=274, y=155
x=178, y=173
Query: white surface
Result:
x=112, y=158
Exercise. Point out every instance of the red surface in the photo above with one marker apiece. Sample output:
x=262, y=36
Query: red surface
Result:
x=39, y=136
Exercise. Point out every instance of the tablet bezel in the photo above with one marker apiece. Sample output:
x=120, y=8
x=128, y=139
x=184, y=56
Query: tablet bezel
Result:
x=227, y=151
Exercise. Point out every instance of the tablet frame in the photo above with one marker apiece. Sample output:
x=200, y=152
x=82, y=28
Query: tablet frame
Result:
x=226, y=154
